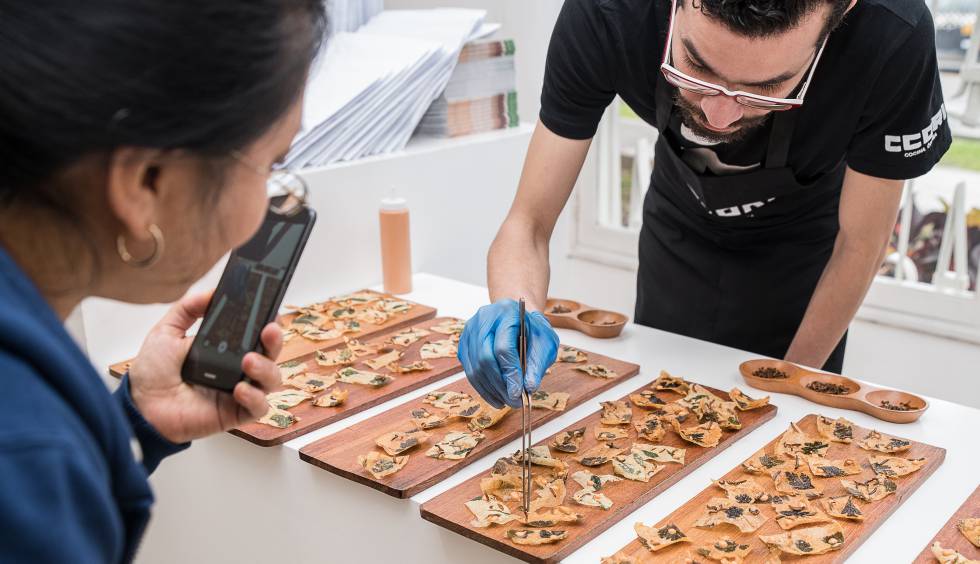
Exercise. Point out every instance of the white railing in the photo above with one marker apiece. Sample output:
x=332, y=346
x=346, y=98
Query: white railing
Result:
x=942, y=305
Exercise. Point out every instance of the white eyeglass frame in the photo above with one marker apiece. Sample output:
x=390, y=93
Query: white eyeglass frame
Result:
x=710, y=89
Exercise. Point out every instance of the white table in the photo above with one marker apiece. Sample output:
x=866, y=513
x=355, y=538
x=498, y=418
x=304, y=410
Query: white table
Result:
x=227, y=500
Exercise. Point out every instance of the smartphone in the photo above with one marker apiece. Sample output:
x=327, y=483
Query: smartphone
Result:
x=247, y=299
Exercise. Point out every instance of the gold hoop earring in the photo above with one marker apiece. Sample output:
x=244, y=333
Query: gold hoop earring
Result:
x=148, y=261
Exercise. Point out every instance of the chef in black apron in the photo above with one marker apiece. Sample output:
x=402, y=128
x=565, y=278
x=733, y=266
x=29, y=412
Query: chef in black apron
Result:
x=764, y=237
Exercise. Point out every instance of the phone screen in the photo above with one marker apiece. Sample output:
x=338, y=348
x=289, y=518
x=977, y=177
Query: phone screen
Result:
x=247, y=299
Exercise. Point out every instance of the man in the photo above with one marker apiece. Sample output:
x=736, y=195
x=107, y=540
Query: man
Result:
x=786, y=131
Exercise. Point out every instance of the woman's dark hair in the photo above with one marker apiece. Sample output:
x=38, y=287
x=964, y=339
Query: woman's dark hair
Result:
x=765, y=18
x=82, y=77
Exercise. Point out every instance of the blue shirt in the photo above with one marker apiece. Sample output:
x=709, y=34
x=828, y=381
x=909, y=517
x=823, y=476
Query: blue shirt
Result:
x=71, y=487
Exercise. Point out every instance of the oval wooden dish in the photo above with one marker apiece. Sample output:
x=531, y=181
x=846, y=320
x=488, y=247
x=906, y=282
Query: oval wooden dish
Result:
x=598, y=323
x=852, y=394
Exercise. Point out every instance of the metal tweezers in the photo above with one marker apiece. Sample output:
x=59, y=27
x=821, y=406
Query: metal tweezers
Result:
x=525, y=413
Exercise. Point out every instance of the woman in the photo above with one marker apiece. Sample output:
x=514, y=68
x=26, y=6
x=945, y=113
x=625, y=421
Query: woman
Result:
x=136, y=137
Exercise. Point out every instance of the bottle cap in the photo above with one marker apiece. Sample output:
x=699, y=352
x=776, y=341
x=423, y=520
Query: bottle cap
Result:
x=393, y=203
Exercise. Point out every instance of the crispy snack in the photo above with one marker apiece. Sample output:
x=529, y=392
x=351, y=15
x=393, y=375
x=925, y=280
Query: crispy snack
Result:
x=616, y=413
x=489, y=512
x=744, y=491
x=650, y=427
x=455, y=445
x=534, y=537
x=807, y=542
x=551, y=493
x=659, y=453
x=397, y=442
x=884, y=443
x=358, y=349
x=288, y=335
x=417, y=366
x=598, y=455
x=598, y=370
x=425, y=420
x=824, y=468
x=721, y=510
x=706, y=434
x=386, y=357
x=371, y=317
x=874, y=489
x=798, y=512
x=380, y=465
x=445, y=348
x=721, y=412
x=622, y=558
x=357, y=298
x=893, y=466
x=333, y=398
x=725, y=550
x=838, y=430
x=695, y=394
x=647, y=399
x=554, y=401
x=337, y=357
x=569, y=441
x=450, y=327
x=506, y=487
x=291, y=368
x=635, y=467
x=746, y=403
x=669, y=383
x=970, y=529
x=768, y=463
x=796, y=482
x=350, y=375
x=312, y=383
x=287, y=398
x=391, y=306
x=843, y=507
x=571, y=354
x=592, y=498
x=447, y=399
x=278, y=418
x=794, y=441
x=949, y=556
x=551, y=517
x=466, y=410
x=408, y=336
x=587, y=479
x=487, y=417
x=608, y=434
x=655, y=538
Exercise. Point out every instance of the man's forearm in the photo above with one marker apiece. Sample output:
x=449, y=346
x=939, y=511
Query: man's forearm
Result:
x=838, y=295
x=517, y=264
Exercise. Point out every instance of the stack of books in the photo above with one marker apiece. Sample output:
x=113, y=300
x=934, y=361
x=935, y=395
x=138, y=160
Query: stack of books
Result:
x=481, y=94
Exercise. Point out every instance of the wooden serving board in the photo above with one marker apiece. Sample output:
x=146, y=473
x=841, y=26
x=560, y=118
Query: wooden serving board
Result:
x=448, y=509
x=338, y=453
x=299, y=346
x=361, y=397
x=951, y=537
x=855, y=533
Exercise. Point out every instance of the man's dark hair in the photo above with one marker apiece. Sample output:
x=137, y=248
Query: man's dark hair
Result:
x=765, y=18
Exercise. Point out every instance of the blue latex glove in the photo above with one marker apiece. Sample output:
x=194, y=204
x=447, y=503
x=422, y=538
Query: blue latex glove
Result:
x=488, y=352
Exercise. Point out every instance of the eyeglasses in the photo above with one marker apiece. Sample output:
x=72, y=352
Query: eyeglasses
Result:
x=691, y=84
x=287, y=191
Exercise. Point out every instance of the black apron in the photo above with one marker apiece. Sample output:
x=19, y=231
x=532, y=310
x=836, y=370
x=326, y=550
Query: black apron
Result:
x=734, y=259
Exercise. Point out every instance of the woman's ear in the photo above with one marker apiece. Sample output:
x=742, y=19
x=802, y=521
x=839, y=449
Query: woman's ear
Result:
x=133, y=181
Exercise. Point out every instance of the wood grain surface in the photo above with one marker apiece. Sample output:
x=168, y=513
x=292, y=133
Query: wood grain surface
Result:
x=361, y=397
x=855, y=533
x=951, y=537
x=448, y=509
x=338, y=453
x=299, y=346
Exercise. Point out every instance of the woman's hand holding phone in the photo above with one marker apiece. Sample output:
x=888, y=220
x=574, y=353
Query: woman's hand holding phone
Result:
x=182, y=412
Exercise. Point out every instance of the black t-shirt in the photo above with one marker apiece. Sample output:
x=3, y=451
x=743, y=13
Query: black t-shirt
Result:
x=874, y=101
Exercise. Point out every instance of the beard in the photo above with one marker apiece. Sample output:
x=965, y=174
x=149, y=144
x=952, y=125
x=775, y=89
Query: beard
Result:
x=693, y=118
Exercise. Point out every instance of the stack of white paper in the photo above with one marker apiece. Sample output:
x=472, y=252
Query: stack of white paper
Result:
x=481, y=94
x=369, y=90
x=350, y=15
